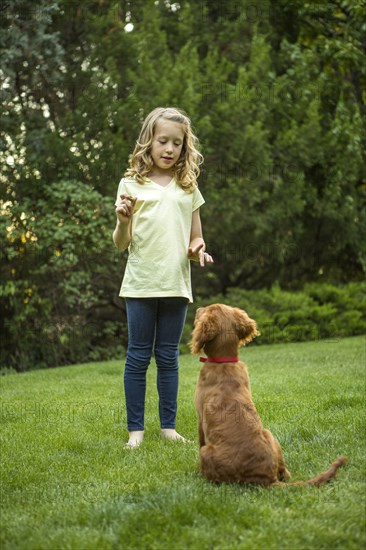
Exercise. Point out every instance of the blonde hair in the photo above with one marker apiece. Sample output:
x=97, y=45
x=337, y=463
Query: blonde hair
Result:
x=186, y=170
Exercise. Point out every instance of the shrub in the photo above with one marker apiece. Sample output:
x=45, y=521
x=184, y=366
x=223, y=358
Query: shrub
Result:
x=60, y=275
x=319, y=311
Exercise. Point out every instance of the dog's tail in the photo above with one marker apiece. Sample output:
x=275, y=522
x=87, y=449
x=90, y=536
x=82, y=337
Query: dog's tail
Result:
x=318, y=480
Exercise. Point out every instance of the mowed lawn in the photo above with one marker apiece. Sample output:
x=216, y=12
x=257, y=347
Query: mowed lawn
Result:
x=68, y=483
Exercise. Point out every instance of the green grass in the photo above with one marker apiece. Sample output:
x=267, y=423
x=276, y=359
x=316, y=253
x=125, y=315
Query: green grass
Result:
x=68, y=483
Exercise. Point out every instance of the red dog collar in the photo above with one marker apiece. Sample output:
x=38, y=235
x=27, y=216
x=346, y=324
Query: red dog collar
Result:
x=219, y=359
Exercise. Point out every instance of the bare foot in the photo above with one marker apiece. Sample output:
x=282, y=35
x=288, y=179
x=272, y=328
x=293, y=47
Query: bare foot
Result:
x=169, y=433
x=135, y=439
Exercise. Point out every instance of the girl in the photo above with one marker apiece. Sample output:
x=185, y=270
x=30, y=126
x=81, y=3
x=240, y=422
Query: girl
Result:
x=158, y=219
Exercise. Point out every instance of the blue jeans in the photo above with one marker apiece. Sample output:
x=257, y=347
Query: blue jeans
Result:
x=154, y=325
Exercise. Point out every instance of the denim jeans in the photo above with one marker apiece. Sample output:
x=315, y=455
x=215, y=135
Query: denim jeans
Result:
x=155, y=325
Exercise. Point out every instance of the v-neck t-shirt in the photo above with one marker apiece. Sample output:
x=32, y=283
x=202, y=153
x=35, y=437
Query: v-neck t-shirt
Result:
x=158, y=264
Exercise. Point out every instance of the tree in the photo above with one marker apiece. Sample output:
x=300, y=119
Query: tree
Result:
x=275, y=91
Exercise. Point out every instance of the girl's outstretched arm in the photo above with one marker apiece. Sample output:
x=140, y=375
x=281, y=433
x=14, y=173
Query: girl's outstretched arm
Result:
x=197, y=247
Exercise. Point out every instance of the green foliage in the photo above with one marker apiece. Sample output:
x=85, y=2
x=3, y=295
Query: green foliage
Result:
x=319, y=311
x=276, y=94
x=57, y=265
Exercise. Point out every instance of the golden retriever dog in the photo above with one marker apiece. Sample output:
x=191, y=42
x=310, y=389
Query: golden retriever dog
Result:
x=234, y=446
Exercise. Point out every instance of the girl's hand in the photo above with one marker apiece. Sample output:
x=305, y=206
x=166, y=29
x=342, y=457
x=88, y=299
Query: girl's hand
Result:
x=125, y=210
x=197, y=254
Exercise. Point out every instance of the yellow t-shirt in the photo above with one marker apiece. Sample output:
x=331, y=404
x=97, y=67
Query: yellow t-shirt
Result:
x=158, y=264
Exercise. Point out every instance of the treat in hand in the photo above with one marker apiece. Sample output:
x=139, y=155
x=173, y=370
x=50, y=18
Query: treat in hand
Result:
x=125, y=210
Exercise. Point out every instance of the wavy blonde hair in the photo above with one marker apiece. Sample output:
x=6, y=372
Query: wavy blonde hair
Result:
x=186, y=170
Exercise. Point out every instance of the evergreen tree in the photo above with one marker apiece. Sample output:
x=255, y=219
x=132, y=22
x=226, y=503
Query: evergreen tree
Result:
x=275, y=91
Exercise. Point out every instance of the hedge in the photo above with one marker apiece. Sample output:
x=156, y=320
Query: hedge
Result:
x=318, y=311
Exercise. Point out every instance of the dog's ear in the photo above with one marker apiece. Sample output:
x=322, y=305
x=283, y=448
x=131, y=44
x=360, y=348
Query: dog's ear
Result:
x=246, y=327
x=206, y=328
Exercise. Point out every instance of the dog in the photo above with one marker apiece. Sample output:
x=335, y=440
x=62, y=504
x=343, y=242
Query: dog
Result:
x=234, y=446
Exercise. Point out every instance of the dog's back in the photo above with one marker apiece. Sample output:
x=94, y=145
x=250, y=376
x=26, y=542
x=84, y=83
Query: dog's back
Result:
x=235, y=447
